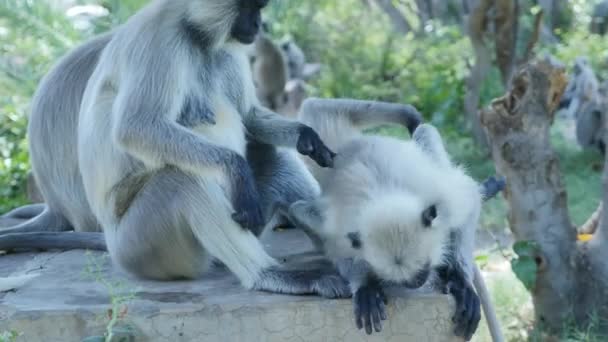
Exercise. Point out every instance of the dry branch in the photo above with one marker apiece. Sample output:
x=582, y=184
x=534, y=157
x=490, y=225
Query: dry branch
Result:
x=538, y=21
x=506, y=23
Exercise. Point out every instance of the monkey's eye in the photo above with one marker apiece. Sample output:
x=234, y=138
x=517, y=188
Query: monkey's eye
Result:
x=355, y=239
x=429, y=215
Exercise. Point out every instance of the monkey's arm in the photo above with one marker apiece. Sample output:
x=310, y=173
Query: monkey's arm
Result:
x=369, y=300
x=142, y=128
x=360, y=113
x=368, y=297
x=270, y=128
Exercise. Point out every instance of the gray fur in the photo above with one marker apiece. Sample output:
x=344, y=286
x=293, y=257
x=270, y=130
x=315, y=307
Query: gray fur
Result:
x=296, y=60
x=156, y=151
x=25, y=212
x=269, y=72
x=367, y=170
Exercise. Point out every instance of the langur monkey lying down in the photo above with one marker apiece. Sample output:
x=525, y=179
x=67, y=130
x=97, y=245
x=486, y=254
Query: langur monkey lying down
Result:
x=393, y=211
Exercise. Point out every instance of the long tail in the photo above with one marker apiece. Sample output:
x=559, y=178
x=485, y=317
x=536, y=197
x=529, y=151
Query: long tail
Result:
x=47, y=221
x=53, y=241
x=488, y=308
x=490, y=188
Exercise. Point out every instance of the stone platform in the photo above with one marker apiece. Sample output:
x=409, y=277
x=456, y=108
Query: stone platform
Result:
x=71, y=298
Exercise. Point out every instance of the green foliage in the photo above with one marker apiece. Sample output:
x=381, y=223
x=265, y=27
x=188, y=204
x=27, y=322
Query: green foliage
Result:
x=524, y=266
x=120, y=292
x=9, y=336
x=32, y=37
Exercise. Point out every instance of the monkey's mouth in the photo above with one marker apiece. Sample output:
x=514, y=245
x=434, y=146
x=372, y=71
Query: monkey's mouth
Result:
x=244, y=38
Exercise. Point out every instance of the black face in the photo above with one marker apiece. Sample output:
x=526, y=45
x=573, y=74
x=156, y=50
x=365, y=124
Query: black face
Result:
x=249, y=20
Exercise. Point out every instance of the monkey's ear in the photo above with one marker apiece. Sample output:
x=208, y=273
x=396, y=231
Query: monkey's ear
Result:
x=429, y=215
x=355, y=239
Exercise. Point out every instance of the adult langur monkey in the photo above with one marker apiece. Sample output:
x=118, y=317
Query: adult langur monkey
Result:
x=158, y=160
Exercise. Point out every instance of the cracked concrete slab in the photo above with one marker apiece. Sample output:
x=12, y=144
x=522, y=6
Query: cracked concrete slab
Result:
x=71, y=298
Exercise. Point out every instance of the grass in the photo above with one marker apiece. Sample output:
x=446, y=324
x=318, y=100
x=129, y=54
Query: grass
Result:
x=9, y=336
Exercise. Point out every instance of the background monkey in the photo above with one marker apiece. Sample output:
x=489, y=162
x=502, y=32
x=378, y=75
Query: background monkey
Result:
x=392, y=211
x=269, y=72
x=159, y=154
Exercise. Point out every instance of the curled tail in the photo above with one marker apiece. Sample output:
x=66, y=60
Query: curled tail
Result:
x=53, y=241
x=47, y=221
x=488, y=308
x=48, y=231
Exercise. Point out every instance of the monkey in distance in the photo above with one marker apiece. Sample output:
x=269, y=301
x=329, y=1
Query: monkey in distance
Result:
x=269, y=72
x=393, y=211
x=156, y=149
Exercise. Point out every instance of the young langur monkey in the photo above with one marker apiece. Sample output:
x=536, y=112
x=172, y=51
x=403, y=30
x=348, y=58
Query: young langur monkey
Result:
x=393, y=211
x=157, y=149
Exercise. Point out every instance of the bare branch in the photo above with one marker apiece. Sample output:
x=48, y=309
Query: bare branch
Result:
x=505, y=22
x=528, y=54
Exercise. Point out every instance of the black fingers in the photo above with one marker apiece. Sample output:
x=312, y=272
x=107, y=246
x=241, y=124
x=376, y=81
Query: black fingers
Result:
x=310, y=144
x=370, y=308
x=468, y=311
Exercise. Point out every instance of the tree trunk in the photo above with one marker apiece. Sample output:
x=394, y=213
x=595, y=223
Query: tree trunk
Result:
x=571, y=277
x=477, y=23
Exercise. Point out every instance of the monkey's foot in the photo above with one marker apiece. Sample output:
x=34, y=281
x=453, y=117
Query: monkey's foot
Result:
x=468, y=309
x=303, y=282
x=332, y=286
x=370, y=307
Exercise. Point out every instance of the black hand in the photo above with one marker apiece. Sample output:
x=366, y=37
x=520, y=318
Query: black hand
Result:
x=310, y=144
x=468, y=309
x=370, y=307
x=246, y=199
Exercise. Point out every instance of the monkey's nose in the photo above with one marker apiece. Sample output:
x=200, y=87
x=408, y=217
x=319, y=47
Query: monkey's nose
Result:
x=398, y=261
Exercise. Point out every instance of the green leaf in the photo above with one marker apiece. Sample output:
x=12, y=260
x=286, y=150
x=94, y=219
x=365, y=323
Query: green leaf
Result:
x=525, y=269
x=482, y=259
x=525, y=248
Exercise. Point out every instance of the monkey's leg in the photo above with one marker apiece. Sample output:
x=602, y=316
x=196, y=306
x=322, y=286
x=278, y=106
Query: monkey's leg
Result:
x=48, y=221
x=26, y=212
x=281, y=178
x=306, y=216
x=178, y=222
x=328, y=114
x=428, y=138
